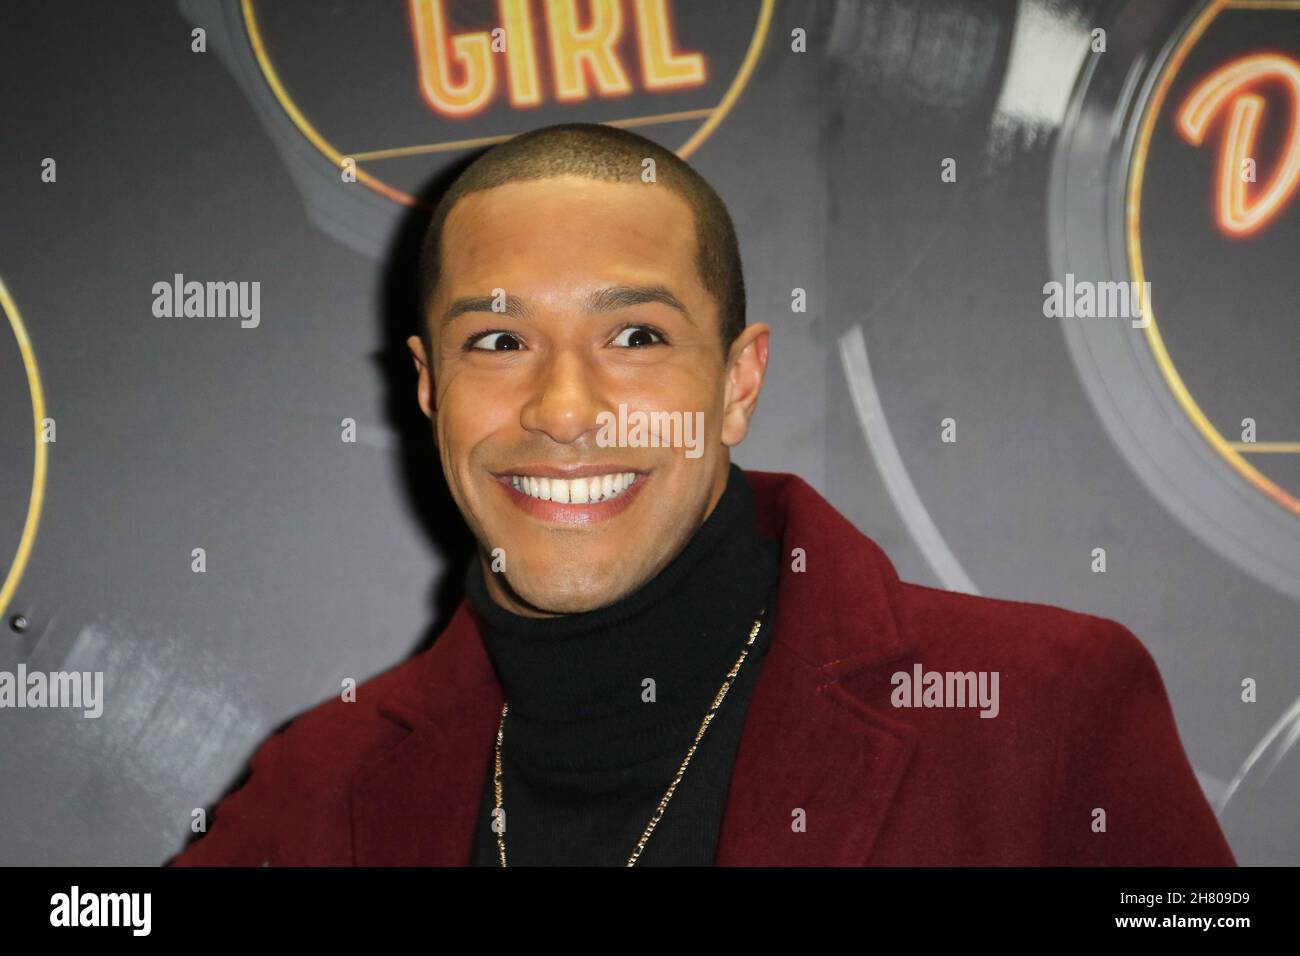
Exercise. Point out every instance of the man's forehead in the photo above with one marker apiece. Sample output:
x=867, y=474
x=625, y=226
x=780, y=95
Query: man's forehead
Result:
x=565, y=187
x=571, y=204
x=543, y=228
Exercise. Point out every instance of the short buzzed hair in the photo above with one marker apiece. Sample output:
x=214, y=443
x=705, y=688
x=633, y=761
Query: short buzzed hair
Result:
x=611, y=154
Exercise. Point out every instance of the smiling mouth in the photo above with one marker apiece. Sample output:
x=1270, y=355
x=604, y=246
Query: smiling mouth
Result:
x=595, y=489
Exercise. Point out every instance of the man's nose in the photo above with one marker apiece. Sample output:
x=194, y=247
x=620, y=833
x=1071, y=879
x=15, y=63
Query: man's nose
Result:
x=564, y=404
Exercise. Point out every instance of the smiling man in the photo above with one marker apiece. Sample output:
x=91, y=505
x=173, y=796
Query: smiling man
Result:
x=559, y=299
x=663, y=659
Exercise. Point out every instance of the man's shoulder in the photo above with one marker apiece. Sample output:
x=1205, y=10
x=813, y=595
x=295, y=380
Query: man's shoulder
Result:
x=321, y=748
x=1038, y=640
x=311, y=761
x=339, y=734
x=866, y=596
x=972, y=618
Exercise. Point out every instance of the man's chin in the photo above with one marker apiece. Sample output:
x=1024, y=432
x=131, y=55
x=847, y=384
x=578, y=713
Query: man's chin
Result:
x=554, y=597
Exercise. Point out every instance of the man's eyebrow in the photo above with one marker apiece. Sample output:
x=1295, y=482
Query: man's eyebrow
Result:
x=514, y=307
x=618, y=297
x=609, y=299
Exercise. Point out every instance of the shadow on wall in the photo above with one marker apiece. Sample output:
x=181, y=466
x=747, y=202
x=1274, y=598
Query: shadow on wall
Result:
x=422, y=477
x=427, y=495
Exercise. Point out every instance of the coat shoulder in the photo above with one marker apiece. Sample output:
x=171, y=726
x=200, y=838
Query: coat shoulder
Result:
x=339, y=735
x=1084, y=765
x=295, y=790
x=1039, y=640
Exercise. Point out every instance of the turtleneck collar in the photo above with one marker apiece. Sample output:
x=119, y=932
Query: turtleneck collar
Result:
x=575, y=683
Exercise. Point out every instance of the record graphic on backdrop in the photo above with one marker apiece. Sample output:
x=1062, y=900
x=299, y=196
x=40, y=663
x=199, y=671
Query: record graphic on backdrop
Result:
x=1180, y=167
x=1178, y=173
x=24, y=455
x=444, y=78
x=1102, y=156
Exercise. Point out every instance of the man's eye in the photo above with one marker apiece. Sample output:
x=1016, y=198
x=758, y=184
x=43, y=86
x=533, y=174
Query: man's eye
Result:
x=494, y=342
x=638, y=336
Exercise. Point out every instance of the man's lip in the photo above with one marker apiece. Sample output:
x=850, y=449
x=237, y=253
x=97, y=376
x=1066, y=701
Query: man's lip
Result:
x=558, y=471
x=570, y=513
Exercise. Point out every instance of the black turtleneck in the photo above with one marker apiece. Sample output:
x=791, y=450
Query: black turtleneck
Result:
x=585, y=758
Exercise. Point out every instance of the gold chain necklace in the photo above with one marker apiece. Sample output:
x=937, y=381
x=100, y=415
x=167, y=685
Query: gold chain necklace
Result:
x=672, y=787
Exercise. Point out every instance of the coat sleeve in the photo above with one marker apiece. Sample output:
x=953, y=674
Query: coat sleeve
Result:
x=1125, y=793
x=242, y=830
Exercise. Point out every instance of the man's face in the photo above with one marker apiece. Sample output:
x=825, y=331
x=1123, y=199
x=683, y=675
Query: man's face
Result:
x=597, y=304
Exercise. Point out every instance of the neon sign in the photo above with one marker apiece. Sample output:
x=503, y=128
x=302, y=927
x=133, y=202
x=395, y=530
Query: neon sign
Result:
x=459, y=72
x=1232, y=87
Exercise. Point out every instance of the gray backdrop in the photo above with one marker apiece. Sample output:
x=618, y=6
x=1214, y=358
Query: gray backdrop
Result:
x=327, y=559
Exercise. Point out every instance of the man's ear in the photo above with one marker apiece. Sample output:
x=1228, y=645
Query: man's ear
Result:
x=424, y=388
x=746, y=367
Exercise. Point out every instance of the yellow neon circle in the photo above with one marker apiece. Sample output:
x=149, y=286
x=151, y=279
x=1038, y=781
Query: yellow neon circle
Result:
x=714, y=116
x=1134, y=209
x=37, y=497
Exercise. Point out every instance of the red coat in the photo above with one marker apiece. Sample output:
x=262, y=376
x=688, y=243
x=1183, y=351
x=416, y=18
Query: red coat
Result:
x=396, y=777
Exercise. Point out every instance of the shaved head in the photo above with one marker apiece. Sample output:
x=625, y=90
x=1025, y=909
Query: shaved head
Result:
x=610, y=154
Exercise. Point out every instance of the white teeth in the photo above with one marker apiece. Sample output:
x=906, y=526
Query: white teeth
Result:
x=578, y=491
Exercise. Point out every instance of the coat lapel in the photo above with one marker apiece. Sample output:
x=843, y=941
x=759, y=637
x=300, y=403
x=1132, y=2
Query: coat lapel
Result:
x=817, y=767
x=815, y=775
x=419, y=804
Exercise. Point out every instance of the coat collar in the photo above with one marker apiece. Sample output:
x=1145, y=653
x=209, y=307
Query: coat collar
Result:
x=812, y=752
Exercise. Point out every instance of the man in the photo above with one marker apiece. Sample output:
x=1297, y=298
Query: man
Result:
x=663, y=659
